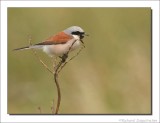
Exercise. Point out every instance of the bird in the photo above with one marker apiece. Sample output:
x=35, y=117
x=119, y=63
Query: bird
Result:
x=60, y=43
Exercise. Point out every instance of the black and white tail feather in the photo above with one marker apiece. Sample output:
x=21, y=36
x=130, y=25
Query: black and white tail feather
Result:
x=30, y=47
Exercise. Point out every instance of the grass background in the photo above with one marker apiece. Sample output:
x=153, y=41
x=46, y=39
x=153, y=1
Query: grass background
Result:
x=112, y=75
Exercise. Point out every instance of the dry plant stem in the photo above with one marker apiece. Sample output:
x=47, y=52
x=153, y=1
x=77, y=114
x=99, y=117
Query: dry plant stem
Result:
x=59, y=67
x=39, y=108
x=63, y=60
x=35, y=53
x=71, y=58
x=58, y=87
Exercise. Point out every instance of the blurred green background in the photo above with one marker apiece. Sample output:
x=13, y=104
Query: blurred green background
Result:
x=112, y=75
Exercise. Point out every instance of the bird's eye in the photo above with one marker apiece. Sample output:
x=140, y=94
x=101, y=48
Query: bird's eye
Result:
x=76, y=33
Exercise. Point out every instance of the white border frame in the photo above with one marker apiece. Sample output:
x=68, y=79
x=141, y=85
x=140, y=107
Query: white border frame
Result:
x=82, y=118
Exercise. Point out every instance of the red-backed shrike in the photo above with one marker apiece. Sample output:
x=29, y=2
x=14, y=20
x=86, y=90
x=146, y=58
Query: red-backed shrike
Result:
x=59, y=44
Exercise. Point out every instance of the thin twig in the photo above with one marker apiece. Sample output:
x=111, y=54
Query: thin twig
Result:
x=35, y=53
x=39, y=108
x=58, y=67
x=58, y=88
x=71, y=58
x=63, y=60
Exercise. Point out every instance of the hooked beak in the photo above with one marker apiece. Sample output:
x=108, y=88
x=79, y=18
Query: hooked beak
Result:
x=82, y=36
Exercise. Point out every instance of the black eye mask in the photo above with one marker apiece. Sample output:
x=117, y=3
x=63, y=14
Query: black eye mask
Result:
x=81, y=34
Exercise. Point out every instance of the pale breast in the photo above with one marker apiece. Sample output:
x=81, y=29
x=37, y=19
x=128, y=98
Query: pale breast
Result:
x=60, y=49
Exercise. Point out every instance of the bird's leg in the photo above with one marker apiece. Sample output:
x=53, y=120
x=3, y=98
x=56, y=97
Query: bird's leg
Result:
x=63, y=58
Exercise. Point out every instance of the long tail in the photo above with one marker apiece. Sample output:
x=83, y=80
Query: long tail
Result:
x=22, y=48
x=29, y=47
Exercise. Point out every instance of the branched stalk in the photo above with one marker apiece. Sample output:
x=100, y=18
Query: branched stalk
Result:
x=58, y=87
x=55, y=73
x=35, y=53
x=63, y=60
x=71, y=58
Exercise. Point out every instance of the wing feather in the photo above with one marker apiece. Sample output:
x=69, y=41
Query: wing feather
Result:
x=59, y=38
